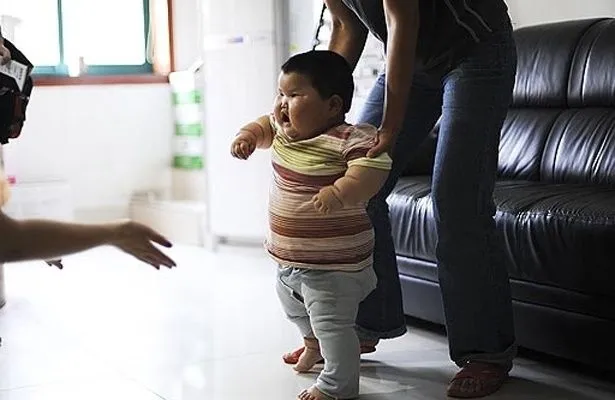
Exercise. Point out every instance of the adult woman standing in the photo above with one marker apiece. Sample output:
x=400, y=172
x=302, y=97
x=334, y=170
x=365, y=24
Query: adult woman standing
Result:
x=454, y=60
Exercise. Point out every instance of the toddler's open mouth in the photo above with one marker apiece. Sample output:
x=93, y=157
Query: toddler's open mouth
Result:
x=285, y=119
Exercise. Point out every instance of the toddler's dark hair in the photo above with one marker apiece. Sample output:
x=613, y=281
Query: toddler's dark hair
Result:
x=329, y=73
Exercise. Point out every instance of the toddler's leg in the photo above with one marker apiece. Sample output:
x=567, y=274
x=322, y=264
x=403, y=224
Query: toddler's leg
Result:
x=289, y=291
x=332, y=300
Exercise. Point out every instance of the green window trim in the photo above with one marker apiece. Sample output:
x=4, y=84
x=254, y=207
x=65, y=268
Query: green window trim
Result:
x=97, y=70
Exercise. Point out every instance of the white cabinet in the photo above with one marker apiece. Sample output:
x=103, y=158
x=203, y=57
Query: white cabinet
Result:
x=242, y=53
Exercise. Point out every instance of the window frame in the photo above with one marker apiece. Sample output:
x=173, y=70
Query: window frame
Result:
x=147, y=73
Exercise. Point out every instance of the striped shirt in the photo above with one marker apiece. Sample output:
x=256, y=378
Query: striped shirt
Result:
x=298, y=235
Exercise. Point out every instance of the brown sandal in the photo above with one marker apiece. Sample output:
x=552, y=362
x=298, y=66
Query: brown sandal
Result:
x=292, y=358
x=477, y=379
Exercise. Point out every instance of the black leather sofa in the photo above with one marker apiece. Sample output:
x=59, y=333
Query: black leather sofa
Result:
x=555, y=197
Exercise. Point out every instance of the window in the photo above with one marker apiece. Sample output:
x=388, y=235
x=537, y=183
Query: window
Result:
x=74, y=37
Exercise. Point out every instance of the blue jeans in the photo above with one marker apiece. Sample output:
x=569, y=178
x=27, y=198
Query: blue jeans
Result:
x=472, y=100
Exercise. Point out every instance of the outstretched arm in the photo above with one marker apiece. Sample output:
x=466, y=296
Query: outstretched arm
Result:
x=47, y=240
x=256, y=134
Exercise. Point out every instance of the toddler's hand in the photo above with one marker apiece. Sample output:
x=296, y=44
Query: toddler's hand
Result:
x=242, y=148
x=326, y=201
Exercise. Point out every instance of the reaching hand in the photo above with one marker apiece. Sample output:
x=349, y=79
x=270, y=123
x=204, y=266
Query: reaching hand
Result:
x=385, y=141
x=326, y=201
x=137, y=240
x=242, y=147
x=5, y=54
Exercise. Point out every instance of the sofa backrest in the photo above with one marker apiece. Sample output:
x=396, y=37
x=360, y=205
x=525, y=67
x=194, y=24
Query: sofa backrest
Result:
x=561, y=124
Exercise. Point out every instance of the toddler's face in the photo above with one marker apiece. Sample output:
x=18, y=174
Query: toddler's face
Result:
x=300, y=110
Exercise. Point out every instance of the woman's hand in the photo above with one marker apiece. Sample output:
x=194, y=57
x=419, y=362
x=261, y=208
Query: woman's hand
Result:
x=138, y=241
x=385, y=141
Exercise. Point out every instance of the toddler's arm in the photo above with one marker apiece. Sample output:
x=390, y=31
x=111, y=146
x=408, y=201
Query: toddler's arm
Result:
x=357, y=185
x=256, y=134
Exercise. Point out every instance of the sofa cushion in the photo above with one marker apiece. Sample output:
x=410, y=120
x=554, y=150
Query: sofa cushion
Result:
x=561, y=235
x=557, y=235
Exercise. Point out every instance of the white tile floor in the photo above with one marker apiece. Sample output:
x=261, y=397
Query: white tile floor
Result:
x=108, y=327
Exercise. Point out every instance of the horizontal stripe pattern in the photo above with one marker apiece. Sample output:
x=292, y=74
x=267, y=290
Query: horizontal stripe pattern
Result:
x=301, y=237
x=323, y=253
x=289, y=178
x=311, y=228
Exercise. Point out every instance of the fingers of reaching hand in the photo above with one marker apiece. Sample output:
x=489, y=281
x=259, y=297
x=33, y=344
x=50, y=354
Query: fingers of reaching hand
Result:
x=148, y=260
x=154, y=257
x=5, y=54
x=139, y=241
x=159, y=257
x=158, y=238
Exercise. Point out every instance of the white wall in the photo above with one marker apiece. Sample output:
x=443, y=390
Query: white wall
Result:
x=532, y=12
x=186, y=14
x=106, y=141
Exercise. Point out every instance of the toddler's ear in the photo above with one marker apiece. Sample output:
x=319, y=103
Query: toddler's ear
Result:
x=336, y=105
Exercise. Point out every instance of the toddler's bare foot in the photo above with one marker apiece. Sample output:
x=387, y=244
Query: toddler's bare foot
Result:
x=313, y=394
x=307, y=360
x=310, y=356
x=368, y=346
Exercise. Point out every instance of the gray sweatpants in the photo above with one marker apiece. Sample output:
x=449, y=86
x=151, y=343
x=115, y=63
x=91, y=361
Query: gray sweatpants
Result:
x=324, y=305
